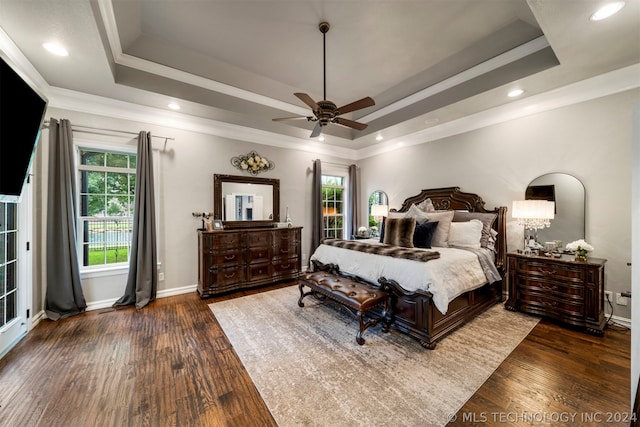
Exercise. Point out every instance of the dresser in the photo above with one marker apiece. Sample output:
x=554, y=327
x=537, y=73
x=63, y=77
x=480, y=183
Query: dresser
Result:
x=229, y=260
x=568, y=291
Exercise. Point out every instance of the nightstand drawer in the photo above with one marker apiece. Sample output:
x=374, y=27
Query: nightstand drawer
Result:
x=553, y=287
x=551, y=270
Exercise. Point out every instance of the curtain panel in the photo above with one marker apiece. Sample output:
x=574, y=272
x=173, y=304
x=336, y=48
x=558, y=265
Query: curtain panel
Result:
x=64, y=296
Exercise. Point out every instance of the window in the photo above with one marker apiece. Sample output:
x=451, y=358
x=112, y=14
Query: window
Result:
x=107, y=187
x=333, y=205
x=8, y=263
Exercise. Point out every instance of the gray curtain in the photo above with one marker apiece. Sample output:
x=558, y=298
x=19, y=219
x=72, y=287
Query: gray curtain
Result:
x=142, y=282
x=64, y=295
x=317, y=222
x=352, y=214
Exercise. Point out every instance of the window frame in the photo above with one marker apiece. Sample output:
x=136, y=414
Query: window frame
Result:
x=342, y=172
x=100, y=269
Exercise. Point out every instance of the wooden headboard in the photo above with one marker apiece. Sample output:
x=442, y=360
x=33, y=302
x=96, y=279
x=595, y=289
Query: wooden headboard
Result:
x=451, y=198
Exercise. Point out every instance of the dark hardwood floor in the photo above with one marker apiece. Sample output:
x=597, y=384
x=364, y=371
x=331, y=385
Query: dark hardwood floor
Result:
x=170, y=364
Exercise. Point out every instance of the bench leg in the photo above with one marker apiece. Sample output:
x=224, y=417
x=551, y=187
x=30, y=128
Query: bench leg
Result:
x=363, y=326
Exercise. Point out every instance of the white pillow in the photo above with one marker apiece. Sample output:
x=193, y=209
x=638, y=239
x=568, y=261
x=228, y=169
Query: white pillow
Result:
x=466, y=234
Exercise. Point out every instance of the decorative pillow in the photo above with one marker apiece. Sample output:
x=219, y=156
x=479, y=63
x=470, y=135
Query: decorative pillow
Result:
x=492, y=240
x=423, y=235
x=487, y=220
x=426, y=206
x=442, y=231
x=466, y=234
x=419, y=215
x=399, y=231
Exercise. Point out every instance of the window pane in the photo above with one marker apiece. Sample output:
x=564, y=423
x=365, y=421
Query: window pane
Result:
x=11, y=306
x=118, y=206
x=95, y=182
x=132, y=184
x=96, y=205
x=93, y=158
x=3, y=223
x=11, y=245
x=133, y=162
x=117, y=183
x=10, y=280
x=12, y=222
x=2, y=279
x=3, y=258
x=118, y=160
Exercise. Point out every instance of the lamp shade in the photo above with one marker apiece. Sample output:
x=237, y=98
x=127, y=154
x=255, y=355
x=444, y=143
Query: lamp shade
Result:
x=379, y=210
x=533, y=214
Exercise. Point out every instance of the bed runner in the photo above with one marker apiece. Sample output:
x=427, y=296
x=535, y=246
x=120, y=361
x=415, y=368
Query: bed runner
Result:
x=387, y=250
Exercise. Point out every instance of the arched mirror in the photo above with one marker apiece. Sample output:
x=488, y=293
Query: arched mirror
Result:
x=568, y=223
x=378, y=208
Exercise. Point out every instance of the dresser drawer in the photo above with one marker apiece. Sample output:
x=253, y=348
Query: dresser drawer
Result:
x=549, y=270
x=286, y=265
x=221, y=277
x=551, y=304
x=218, y=241
x=258, y=255
x=551, y=287
x=258, y=239
x=227, y=259
x=262, y=272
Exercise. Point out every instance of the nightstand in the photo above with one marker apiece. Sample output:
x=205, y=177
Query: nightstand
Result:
x=568, y=291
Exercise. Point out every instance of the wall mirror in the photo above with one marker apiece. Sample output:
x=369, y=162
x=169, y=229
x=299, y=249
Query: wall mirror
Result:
x=242, y=201
x=377, y=198
x=568, y=194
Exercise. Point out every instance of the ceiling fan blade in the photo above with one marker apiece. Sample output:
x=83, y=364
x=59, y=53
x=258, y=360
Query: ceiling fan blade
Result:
x=362, y=103
x=307, y=100
x=350, y=123
x=317, y=130
x=292, y=118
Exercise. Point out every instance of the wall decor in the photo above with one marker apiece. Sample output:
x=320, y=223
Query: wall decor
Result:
x=252, y=163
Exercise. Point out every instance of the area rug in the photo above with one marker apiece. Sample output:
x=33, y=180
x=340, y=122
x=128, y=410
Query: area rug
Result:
x=310, y=371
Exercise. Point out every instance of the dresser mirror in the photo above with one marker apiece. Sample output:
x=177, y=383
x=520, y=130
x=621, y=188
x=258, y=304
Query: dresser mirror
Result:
x=568, y=193
x=243, y=201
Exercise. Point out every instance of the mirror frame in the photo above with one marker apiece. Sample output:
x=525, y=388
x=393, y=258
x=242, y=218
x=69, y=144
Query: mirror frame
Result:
x=219, y=179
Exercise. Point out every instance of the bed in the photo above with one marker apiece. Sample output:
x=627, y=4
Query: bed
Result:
x=429, y=307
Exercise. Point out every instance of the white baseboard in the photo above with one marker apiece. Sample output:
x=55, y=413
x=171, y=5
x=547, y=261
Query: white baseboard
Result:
x=107, y=303
x=37, y=318
x=622, y=321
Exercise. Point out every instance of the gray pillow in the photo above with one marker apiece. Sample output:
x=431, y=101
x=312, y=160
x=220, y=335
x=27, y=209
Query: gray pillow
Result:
x=399, y=231
x=487, y=220
x=441, y=236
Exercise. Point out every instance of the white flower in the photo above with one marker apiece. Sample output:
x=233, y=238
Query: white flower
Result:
x=250, y=161
x=257, y=159
x=579, y=245
x=244, y=165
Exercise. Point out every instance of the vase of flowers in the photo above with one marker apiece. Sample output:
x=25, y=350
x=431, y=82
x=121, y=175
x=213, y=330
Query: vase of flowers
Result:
x=580, y=248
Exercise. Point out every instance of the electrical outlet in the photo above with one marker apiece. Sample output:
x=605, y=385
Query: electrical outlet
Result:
x=620, y=300
x=608, y=296
x=160, y=277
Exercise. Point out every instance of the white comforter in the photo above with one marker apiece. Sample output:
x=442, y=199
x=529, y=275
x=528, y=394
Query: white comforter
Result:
x=455, y=272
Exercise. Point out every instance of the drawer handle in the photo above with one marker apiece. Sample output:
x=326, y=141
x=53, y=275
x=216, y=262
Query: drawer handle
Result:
x=229, y=275
x=549, y=303
x=547, y=286
x=547, y=272
x=229, y=257
x=286, y=266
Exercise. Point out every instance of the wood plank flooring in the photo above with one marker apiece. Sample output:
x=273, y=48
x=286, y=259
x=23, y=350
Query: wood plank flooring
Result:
x=170, y=364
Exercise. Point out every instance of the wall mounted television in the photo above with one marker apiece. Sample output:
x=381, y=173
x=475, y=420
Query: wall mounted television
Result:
x=22, y=110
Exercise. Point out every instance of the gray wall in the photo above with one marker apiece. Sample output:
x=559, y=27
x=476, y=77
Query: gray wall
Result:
x=591, y=141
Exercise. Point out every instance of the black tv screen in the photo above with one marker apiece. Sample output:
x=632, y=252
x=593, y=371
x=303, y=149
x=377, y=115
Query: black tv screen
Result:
x=22, y=110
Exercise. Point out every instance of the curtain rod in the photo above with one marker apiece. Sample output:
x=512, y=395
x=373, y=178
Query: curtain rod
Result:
x=101, y=131
x=330, y=163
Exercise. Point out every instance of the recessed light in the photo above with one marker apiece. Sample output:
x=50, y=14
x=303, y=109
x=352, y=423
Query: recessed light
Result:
x=56, y=49
x=379, y=137
x=515, y=92
x=607, y=10
x=173, y=106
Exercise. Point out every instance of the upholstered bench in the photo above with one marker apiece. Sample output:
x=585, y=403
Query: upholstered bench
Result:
x=354, y=294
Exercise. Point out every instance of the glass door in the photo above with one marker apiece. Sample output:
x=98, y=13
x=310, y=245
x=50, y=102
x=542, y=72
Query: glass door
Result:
x=13, y=322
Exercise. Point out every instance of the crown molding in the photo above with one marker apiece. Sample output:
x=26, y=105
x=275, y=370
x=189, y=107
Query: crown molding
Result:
x=609, y=83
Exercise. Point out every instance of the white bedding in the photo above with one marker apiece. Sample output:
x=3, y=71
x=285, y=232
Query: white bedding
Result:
x=455, y=272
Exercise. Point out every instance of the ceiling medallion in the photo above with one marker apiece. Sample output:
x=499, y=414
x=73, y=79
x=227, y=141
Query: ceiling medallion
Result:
x=252, y=163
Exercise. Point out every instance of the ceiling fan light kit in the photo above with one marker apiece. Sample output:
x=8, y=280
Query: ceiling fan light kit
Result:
x=325, y=111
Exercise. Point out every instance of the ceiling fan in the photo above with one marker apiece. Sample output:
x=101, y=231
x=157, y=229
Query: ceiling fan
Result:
x=325, y=112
